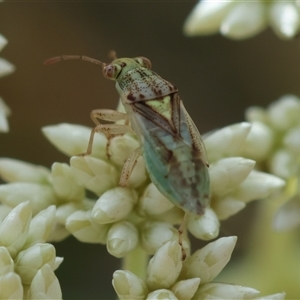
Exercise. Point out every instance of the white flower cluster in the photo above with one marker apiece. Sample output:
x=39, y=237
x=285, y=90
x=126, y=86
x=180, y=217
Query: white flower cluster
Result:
x=238, y=19
x=126, y=218
x=170, y=278
x=5, y=69
x=234, y=182
x=274, y=143
x=27, y=262
x=122, y=218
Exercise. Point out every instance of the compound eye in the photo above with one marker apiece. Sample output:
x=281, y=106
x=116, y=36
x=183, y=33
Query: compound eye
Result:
x=144, y=62
x=111, y=71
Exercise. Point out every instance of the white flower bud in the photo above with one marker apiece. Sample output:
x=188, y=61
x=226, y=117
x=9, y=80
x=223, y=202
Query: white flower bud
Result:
x=4, y=211
x=15, y=227
x=6, y=262
x=73, y=139
x=259, y=142
x=58, y=233
x=41, y=226
x=128, y=286
x=114, y=205
x=173, y=216
x=284, y=18
x=57, y=263
x=206, y=17
x=12, y=170
x=155, y=234
x=30, y=260
x=122, y=238
x=40, y=196
x=256, y=114
x=284, y=113
x=244, y=20
x=6, y=67
x=165, y=266
x=227, y=207
x=11, y=286
x=3, y=42
x=227, y=141
x=45, y=285
x=94, y=174
x=162, y=294
x=292, y=140
x=228, y=173
x=208, y=262
x=185, y=289
x=282, y=164
x=153, y=202
x=81, y=226
x=121, y=147
x=65, y=210
x=225, y=291
x=258, y=185
x=204, y=227
x=288, y=216
x=65, y=184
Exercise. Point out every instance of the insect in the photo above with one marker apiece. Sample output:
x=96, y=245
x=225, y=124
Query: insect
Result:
x=171, y=145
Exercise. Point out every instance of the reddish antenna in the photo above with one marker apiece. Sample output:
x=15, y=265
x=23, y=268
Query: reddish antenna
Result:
x=56, y=59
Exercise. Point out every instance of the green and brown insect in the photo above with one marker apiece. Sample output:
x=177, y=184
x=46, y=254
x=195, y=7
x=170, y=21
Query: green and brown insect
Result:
x=171, y=145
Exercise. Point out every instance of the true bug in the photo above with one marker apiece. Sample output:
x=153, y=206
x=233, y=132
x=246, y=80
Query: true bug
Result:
x=171, y=145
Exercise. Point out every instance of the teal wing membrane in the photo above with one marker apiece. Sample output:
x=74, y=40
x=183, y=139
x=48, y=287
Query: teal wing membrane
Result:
x=174, y=154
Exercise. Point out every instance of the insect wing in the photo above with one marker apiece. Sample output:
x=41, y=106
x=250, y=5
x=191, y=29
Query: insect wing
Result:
x=173, y=151
x=194, y=133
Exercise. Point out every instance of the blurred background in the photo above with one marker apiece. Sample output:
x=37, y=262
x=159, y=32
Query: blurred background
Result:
x=217, y=80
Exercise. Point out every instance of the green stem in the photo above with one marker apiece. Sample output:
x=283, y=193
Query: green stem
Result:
x=136, y=262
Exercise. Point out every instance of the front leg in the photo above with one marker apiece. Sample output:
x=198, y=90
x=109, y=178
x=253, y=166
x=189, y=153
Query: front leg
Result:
x=108, y=130
x=108, y=115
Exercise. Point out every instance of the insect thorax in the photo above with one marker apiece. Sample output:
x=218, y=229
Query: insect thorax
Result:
x=140, y=84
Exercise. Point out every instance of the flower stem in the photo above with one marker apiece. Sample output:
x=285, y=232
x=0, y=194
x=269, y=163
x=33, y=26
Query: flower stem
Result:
x=136, y=262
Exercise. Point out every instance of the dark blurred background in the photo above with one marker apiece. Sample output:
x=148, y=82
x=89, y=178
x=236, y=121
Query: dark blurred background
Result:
x=217, y=79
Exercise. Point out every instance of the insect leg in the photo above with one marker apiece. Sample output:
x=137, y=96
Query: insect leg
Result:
x=108, y=130
x=180, y=233
x=129, y=165
x=107, y=115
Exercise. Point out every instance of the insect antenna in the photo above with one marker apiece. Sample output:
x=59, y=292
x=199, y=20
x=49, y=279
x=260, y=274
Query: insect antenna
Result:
x=56, y=59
